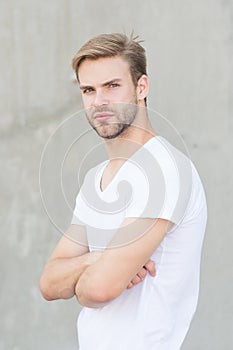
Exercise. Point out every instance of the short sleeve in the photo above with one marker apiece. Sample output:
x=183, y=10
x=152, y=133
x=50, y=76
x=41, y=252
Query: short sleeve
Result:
x=161, y=182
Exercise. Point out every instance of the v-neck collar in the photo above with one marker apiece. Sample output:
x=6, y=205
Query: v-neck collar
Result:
x=103, y=166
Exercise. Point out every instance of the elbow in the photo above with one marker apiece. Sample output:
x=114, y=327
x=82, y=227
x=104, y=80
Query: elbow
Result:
x=44, y=289
x=96, y=293
x=93, y=298
x=100, y=294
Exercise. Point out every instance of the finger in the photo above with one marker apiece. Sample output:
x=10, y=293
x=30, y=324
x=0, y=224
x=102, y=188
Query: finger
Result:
x=150, y=266
x=130, y=285
x=142, y=273
x=136, y=280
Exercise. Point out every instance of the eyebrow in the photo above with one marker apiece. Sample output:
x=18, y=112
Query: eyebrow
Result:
x=116, y=80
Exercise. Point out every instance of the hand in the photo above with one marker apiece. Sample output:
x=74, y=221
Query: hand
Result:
x=150, y=267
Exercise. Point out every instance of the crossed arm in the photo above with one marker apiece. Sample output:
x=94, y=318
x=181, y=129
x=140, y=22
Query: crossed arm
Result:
x=96, y=277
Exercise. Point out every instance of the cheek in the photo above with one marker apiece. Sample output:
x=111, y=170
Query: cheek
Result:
x=124, y=95
x=87, y=101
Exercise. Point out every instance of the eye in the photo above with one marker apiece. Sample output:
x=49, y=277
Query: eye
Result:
x=87, y=90
x=113, y=85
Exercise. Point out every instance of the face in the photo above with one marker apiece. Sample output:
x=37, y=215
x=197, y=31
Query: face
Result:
x=109, y=95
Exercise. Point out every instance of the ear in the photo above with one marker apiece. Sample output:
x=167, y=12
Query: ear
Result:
x=142, y=87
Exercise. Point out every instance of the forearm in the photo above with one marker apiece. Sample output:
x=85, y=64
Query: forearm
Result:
x=93, y=289
x=88, y=292
x=61, y=275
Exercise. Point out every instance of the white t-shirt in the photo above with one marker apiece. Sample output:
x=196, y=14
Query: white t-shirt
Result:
x=158, y=181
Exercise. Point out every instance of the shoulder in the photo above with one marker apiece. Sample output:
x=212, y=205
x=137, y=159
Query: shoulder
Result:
x=168, y=179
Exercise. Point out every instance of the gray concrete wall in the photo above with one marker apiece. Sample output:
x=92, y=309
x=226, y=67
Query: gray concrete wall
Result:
x=189, y=47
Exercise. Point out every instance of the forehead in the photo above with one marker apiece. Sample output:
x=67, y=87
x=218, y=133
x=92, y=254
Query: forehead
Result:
x=104, y=69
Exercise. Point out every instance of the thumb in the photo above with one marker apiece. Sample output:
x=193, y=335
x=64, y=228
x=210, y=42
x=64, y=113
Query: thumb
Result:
x=150, y=266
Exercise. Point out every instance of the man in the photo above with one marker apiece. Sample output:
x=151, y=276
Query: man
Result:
x=145, y=205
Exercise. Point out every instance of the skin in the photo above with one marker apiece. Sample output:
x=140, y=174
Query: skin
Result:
x=114, y=96
x=97, y=278
x=68, y=262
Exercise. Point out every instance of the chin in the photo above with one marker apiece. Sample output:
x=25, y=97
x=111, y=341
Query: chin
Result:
x=112, y=134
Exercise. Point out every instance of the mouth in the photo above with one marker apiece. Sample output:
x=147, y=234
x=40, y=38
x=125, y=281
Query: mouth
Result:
x=103, y=116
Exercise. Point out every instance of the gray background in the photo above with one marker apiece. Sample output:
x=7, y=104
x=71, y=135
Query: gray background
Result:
x=189, y=48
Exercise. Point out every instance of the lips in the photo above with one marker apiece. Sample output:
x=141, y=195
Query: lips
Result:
x=103, y=116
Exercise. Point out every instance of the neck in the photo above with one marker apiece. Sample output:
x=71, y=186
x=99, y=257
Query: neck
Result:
x=127, y=143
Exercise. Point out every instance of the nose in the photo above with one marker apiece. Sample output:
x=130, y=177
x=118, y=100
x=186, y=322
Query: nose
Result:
x=99, y=99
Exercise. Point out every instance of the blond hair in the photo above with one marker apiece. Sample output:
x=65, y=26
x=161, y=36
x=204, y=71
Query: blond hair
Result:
x=110, y=45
